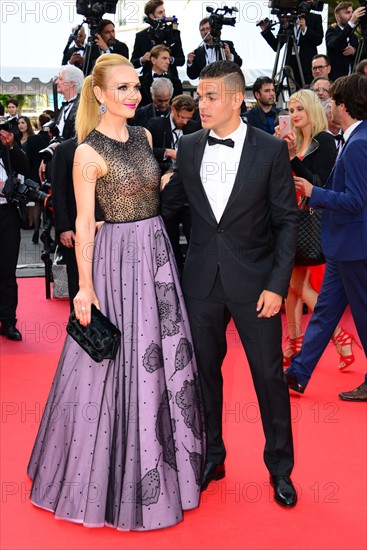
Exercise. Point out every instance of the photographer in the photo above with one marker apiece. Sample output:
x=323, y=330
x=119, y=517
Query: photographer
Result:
x=157, y=33
x=341, y=42
x=105, y=41
x=12, y=159
x=75, y=55
x=205, y=54
x=308, y=34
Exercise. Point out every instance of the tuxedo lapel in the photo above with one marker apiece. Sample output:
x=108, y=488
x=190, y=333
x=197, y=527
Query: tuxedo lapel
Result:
x=246, y=160
x=198, y=157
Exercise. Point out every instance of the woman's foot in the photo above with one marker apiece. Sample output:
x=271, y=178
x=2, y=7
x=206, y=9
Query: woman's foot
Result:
x=294, y=346
x=343, y=342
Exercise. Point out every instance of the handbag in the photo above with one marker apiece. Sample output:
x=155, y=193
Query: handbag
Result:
x=309, y=251
x=100, y=339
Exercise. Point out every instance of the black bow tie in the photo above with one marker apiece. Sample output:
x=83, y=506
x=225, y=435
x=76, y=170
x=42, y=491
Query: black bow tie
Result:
x=155, y=75
x=64, y=103
x=214, y=141
x=162, y=113
x=340, y=138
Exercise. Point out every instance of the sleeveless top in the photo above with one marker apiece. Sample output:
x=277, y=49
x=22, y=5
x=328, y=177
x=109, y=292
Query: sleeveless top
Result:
x=129, y=191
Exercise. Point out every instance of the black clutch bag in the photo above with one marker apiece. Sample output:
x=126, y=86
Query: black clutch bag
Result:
x=100, y=339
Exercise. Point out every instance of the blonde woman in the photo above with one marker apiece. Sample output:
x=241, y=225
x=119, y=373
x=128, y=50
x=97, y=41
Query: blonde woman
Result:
x=134, y=448
x=312, y=153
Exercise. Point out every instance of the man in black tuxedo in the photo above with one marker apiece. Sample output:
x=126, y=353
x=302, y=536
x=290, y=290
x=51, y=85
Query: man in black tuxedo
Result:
x=341, y=42
x=69, y=84
x=152, y=36
x=308, y=33
x=239, y=186
x=166, y=133
x=161, y=91
x=160, y=58
x=9, y=234
x=205, y=54
x=75, y=54
x=105, y=41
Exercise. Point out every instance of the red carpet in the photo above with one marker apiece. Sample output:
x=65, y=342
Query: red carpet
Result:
x=236, y=513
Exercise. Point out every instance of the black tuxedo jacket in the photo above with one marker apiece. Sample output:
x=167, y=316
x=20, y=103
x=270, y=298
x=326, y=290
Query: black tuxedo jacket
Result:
x=307, y=46
x=144, y=42
x=160, y=128
x=200, y=60
x=336, y=41
x=68, y=131
x=35, y=144
x=254, y=243
x=146, y=82
x=68, y=55
x=143, y=115
x=63, y=198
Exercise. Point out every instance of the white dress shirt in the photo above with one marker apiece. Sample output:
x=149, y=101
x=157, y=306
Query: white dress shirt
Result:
x=219, y=169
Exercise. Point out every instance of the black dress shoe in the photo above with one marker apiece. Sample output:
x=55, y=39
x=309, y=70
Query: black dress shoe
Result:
x=284, y=492
x=359, y=394
x=35, y=236
x=293, y=384
x=212, y=472
x=11, y=332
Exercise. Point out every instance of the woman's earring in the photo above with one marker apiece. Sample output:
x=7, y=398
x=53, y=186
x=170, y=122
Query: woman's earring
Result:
x=102, y=109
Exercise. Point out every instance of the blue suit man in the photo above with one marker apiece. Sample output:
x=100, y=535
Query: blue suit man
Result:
x=344, y=235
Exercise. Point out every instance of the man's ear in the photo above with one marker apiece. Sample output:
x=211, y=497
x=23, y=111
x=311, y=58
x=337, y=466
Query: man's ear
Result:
x=238, y=99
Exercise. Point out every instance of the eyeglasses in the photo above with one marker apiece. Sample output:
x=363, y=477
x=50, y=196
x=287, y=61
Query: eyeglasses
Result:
x=319, y=67
x=321, y=90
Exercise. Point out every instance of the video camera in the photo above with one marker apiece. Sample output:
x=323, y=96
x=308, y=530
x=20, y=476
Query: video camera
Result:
x=218, y=19
x=162, y=30
x=93, y=9
x=288, y=11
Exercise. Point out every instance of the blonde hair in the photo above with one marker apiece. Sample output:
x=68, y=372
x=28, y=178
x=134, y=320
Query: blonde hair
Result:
x=314, y=110
x=88, y=110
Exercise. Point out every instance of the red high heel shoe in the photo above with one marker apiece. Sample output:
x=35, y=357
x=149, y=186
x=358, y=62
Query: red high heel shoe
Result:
x=341, y=340
x=294, y=346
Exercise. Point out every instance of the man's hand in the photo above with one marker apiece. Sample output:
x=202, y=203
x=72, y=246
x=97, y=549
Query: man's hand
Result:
x=269, y=304
x=349, y=50
x=67, y=238
x=357, y=14
x=190, y=58
x=100, y=42
x=263, y=25
x=170, y=154
x=42, y=171
x=7, y=139
x=145, y=58
x=303, y=186
x=227, y=52
x=76, y=58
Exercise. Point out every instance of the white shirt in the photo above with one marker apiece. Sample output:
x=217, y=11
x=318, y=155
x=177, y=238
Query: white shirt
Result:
x=349, y=130
x=176, y=131
x=3, y=178
x=65, y=111
x=219, y=169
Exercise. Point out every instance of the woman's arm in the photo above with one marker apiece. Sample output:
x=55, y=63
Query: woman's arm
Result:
x=88, y=166
x=317, y=166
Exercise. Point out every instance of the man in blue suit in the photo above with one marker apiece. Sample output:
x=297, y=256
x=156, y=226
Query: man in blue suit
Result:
x=344, y=234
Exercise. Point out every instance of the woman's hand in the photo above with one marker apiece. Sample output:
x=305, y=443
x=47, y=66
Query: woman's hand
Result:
x=303, y=186
x=82, y=305
x=290, y=139
x=165, y=179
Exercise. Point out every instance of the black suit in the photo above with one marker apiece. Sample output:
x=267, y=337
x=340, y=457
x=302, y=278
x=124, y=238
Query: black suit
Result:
x=146, y=82
x=35, y=144
x=144, y=114
x=161, y=130
x=200, y=60
x=68, y=130
x=307, y=47
x=228, y=264
x=336, y=41
x=67, y=56
x=10, y=241
x=144, y=42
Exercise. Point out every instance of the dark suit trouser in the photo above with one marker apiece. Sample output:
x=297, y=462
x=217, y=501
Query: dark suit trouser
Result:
x=344, y=282
x=173, y=231
x=261, y=339
x=72, y=274
x=9, y=251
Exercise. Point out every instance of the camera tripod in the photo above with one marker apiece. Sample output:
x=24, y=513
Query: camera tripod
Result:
x=362, y=42
x=218, y=47
x=287, y=38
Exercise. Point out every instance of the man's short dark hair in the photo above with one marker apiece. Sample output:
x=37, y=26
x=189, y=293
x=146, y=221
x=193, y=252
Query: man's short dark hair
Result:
x=183, y=102
x=151, y=6
x=203, y=22
x=259, y=82
x=13, y=101
x=159, y=48
x=103, y=23
x=229, y=70
x=351, y=90
x=322, y=56
x=360, y=67
x=342, y=6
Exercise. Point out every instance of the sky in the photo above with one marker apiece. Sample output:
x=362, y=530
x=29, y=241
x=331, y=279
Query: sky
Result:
x=33, y=33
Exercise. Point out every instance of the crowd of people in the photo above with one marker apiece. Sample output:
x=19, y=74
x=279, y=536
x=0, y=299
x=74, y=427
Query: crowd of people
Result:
x=131, y=159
